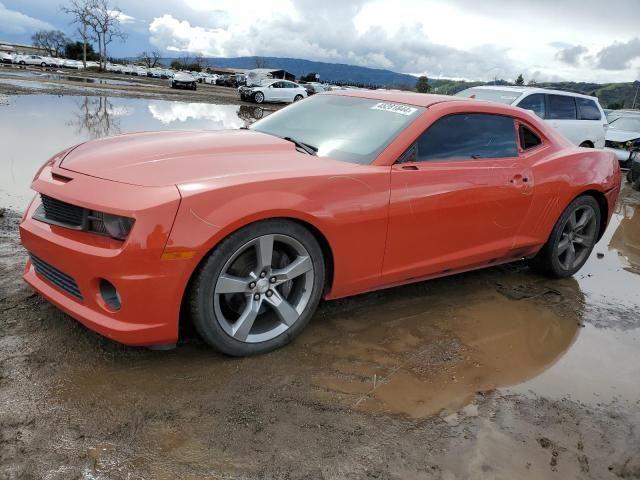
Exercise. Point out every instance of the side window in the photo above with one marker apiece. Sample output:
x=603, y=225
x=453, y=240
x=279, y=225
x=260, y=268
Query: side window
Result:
x=562, y=107
x=468, y=135
x=536, y=103
x=528, y=139
x=278, y=85
x=588, y=109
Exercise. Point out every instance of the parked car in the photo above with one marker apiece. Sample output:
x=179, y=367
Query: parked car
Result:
x=183, y=80
x=273, y=91
x=343, y=193
x=623, y=138
x=580, y=118
x=210, y=79
x=32, y=60
x=314, y=87
x=7, y=57
x=76, y=64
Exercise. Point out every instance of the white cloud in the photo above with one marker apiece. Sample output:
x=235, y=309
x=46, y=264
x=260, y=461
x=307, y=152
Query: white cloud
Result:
x=14, y=22
x=437, y=38
x=121, y=16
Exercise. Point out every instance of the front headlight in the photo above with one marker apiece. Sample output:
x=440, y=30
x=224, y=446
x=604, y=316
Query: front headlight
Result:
x=116, y=226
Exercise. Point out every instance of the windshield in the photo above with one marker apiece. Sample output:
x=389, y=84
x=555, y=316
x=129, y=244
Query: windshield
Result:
x=631, y=124
x=500, y=96
x=344, y=128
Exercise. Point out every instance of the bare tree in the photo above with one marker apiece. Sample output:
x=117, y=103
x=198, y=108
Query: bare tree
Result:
x=51, y=40
x=150, y=59
x=200, y=61
x=105, y=21
x=80, y=10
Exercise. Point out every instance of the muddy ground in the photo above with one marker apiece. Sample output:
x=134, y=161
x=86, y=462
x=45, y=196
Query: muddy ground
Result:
x=492, y=374
x=16, y=80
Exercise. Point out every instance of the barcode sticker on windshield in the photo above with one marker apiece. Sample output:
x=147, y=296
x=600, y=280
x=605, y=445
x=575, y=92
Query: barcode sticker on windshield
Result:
x=394, y=108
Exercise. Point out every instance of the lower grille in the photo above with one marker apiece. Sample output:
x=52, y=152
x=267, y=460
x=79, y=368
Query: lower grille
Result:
x=61, y=280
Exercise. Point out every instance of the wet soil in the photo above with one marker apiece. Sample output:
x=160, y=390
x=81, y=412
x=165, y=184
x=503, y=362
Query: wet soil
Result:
x=25, y=81
x=498, y=373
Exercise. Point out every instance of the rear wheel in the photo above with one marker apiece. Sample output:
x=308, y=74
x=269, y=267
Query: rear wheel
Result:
x=572, y=239
x=297, y=98
x=43, y=64
x=586, y=144
x=259, y=288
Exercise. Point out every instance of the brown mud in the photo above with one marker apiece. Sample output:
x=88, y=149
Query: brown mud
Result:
x=491, y=374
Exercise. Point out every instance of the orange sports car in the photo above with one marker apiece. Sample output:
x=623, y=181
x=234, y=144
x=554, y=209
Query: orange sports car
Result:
x=339, y=194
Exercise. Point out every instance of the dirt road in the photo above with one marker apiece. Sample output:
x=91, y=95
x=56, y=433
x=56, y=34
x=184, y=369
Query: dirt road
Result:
x=492, y=374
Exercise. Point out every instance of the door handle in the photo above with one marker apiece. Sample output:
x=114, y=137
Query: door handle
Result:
x=409, y=167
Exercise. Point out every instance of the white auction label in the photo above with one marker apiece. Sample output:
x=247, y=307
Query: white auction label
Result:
x=394, y=108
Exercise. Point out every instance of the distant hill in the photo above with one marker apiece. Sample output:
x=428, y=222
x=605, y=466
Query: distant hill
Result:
x=329, y=72
x=611, y=95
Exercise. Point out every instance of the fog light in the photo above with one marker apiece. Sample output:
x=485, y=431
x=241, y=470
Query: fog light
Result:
x=110, y=295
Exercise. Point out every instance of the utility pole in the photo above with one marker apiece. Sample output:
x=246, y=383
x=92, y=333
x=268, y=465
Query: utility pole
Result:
x=635, y=96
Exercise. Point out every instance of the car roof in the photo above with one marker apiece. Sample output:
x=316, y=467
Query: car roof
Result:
x=521, y=90
x=410, y=98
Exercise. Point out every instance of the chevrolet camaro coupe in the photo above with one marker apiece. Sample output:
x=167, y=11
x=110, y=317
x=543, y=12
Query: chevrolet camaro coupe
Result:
x=345, y=192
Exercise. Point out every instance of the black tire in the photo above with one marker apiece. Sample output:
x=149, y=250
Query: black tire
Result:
x=547, y=261
x=21, y=62
x=586, y=144
x=194, y=87
x=201, y=294
x=258, y=97
x=43, y=65
x=297, y=98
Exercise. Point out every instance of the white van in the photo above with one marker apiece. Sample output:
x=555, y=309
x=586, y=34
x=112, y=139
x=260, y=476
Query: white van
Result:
x=578, y=117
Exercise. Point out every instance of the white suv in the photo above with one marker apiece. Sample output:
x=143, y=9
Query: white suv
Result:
x=580, y=118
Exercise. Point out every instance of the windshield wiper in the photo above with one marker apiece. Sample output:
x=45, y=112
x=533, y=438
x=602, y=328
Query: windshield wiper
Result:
x=310, y=149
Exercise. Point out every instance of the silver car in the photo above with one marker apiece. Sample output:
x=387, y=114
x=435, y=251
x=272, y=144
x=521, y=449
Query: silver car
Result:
x=623, y=137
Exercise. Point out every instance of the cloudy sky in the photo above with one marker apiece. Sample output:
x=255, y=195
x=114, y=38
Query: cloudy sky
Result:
x=582, y=40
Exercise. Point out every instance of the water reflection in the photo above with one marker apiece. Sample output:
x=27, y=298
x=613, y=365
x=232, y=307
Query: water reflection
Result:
x=417, y=356
x=97, y=117
x=626, y=239
x=47, y=124
x=221, y=116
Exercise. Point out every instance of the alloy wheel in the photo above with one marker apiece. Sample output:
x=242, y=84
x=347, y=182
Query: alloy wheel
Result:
x=578, y=237
x=263, y=288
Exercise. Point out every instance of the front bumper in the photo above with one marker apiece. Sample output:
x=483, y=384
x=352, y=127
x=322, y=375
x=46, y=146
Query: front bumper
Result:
x=623, y=156
x=150, y=288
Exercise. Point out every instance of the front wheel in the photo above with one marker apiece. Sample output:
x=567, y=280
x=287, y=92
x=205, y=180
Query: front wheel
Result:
x=572, y=239
x=258, y=97
x=259, y=288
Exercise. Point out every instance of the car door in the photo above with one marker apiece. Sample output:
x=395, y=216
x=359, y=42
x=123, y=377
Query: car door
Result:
x=276, y=92
x=458, y=197
x=563, y=116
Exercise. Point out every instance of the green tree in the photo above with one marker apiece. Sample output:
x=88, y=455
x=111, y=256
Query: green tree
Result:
x=76, y=51
x=520, y=80
x=422, y=85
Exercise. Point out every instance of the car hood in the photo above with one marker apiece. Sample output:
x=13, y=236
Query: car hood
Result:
x=182, y=157
x=615, y=135
x=184, y=77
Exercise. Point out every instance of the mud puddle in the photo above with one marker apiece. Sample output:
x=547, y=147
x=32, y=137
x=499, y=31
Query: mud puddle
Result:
x=78, y=119
x=61, y=76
